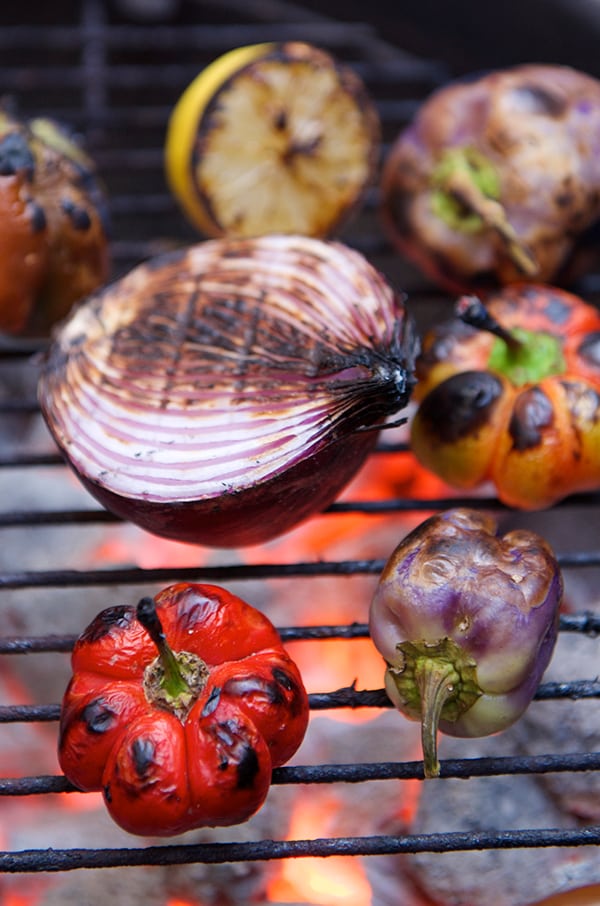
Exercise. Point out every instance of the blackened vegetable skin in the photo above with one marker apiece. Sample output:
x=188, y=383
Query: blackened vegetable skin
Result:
x=167, y=762
x=526, y=421
x=528, y=137
x=466, y=620
x=53, y=225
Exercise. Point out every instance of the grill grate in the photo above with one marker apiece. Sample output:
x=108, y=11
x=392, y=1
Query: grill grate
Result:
x=116, y=82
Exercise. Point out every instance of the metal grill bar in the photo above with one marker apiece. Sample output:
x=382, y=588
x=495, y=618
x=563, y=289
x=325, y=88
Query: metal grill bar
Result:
x=344, y=698
x=585, y=623
x=32, y=518
x=325, y=701
x=85, y=70
x=215, y=853
x=457, y=768
x=71, y=578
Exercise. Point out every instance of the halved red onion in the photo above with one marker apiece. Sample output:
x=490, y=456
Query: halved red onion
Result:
x=216, y=395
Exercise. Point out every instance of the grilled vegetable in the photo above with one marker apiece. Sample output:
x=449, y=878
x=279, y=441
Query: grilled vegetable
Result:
x=497, y=178
x=516, y=403
x=219, y=396
x=272, y=138
x=179, y=709
x=53, y=243
x=466, y=620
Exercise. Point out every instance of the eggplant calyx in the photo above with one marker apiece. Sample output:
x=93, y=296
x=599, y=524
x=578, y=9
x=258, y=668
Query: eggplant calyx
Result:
x=173, y=680
x=466, y=193
x=433, y=681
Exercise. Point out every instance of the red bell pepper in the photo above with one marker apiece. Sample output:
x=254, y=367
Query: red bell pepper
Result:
x=179, y=708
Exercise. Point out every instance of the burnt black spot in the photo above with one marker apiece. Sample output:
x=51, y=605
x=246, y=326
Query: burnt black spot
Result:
x=284, y=679
x=16, y=156
x=557, y=310
x=280, y=121
x=535, y=299
x=448, y=335
x=79, y=217
x=194, y=610
x=119, y=617
x=247, y=768
x=38, y=217
x=252, y=685
x=532, y=413
x=564, y=199
x=85, y=177
x=460, y=405
x=107, y=793
x=538, y=99
x=98, y=717
x=589, y=349
x=142, y=753
x=212, y=701
x=236, y=749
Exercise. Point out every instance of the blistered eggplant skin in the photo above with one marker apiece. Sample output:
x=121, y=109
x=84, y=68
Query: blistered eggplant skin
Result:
x=533, y=133
x=495, y=599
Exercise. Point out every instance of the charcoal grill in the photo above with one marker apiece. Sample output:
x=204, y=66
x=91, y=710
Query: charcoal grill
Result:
x=114, y=77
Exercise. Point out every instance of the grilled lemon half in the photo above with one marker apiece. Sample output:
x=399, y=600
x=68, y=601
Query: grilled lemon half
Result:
x=272, y=138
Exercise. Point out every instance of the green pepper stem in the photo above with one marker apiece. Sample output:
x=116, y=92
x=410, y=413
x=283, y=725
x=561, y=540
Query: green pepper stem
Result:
x=460, y=186
x=172, y=681
x=436, y=681
x=472, y=311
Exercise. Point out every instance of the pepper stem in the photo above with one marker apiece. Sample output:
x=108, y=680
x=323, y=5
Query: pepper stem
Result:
x=430, y=681
x=172, y=681
x=523, y=356
x=472, y=311
x=436, y=681
x=460, y=186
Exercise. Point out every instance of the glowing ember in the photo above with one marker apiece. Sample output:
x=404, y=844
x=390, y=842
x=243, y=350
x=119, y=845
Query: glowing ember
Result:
x=18, y=899
x=331, y=881
x=81, y=803
x=175, y=901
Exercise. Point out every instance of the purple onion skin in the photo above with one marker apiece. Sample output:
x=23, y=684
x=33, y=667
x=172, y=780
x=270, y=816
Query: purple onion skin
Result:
x=254, y=515
x=489, y=604
x=223, y=394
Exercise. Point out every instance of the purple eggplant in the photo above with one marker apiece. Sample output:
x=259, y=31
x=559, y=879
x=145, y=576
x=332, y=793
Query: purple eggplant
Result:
x=497, y=179
x=466, y=620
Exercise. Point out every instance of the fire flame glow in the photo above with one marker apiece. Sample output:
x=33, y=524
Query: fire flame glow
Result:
x=331, y=881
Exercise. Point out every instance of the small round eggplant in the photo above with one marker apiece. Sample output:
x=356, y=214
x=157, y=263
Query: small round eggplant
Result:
x=497, y=178
x=466, y=620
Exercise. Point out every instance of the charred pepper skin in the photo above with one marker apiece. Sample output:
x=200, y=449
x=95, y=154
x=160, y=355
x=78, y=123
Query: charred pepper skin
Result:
x=54, y=230
x=528, y=419
x=200, y=753
x=476, y=613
